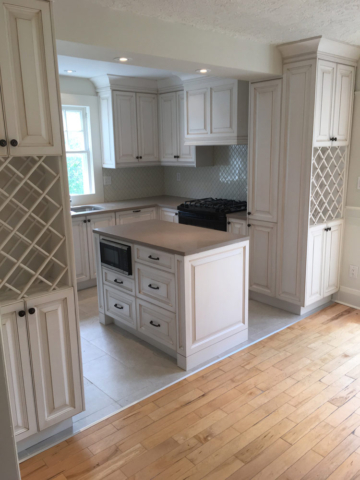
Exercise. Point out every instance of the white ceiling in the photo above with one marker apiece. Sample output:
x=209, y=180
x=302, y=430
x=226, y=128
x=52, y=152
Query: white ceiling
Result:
x=88, y=68
x=267, y=21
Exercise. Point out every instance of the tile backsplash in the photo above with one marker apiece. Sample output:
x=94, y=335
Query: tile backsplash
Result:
x=137, y=182
x=226, y=179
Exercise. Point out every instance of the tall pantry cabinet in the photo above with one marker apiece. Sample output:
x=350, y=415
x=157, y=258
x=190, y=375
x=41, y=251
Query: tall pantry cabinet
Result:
x=39, y=321
x=297, y=186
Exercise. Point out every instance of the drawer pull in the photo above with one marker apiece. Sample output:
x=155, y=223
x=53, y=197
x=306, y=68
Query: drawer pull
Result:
x=119, y=307
x=154, y=288
x=154, y=324
x=136, y=211
x=153, y=258
x=120, y=282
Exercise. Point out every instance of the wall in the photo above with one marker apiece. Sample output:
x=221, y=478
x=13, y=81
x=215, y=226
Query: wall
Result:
x=350, y=287
x=226, y=179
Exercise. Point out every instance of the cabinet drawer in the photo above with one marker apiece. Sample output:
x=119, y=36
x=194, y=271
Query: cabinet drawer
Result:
x=157, y=323
x=155, y=286
x=155, y=258
x=121, y=282
x=120, y=306
x=136, y=215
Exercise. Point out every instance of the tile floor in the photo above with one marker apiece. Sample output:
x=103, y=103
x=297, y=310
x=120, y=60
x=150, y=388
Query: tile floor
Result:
x=119, y=369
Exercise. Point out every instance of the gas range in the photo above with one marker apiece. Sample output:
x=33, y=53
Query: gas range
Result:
x=209, y=212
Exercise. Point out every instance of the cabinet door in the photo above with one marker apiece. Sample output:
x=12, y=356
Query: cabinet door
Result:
x=324, y=102
x=29, y=77
x=81, y=249
x=333, y=242
x=168, y=127
x=237, y=227
x=196, y=112
x=135, y=216
x=264, y=154
x=186, y=152
x=17, y=362
x=168, y=215
x=344, y=98
x=3, y=150
x=315, y=263
x=147, y=124
x=96, y=221
x=262, y=257
x=125, y=129
x=223, y=109
x=55, y=357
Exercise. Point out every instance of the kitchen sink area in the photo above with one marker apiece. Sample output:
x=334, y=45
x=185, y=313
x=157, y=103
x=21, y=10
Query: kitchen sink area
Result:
x=86, y=209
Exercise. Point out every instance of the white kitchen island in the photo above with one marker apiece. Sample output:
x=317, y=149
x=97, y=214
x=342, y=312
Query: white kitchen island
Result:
x=187, y=293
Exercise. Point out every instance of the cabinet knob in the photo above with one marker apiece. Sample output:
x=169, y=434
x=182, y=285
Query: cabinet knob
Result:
x=14, y=143
x=89, y=220
x=84, y=221
x=137, y=158
x=31, y=310
x=229, y=223
x=176, y=213
x=333, y=139
x=140, y=158
x=22, y=313
x=249, y=213
x=249, y=224
x=3, y=143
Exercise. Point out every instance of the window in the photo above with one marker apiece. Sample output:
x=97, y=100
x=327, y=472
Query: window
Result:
x=78, y=150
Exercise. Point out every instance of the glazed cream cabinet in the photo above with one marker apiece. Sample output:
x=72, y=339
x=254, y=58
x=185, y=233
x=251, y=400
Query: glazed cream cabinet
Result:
x=28, y=80
x=137, y=215
x=334, y=103
x=237, y=226
x=129, y=123
x=173, y=150
x=216, y=111
x=323, y=260
x=169, y=215
x=264, y=149
x=82, y=229
x=42, y=361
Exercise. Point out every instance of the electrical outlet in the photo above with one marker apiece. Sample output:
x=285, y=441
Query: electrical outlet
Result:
x=353, y=271
x=107, y=180
x=358, y=185
x=178, y=177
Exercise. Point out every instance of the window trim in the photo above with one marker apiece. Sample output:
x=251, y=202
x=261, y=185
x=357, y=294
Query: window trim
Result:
x=89, y=167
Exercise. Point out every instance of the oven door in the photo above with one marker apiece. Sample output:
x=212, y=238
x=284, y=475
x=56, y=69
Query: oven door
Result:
x=116, y=255
x=200, y=220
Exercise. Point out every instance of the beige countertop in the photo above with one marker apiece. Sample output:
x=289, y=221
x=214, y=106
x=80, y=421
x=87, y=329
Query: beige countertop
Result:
x=171, y=237
x=165, y=201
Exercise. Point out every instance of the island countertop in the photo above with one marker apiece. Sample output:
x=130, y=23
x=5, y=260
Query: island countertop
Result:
x=171, y=237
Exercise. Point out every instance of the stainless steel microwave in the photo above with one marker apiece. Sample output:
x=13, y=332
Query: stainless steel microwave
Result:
x=116, y=255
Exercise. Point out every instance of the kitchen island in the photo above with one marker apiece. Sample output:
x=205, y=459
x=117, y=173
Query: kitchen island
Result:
x=186, y=291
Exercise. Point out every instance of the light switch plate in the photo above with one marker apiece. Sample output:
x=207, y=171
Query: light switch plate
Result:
x=107, y=180
x=353, y=271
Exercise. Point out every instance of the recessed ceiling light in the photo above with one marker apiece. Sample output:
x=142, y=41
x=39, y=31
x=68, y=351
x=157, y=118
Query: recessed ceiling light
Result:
x=70, y=71
x=122, y=59
x=203, y=70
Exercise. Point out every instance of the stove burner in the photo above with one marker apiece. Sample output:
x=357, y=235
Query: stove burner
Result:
x=215, y=204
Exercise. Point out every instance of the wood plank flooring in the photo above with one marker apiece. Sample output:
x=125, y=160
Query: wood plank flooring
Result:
x=285, y=408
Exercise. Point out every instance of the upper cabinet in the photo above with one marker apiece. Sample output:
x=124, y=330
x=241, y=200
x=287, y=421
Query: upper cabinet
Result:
x=264, y=149
x=333, y=103
x=29, y=84
x=129, y=121
x=216, y=111
x=173, y=150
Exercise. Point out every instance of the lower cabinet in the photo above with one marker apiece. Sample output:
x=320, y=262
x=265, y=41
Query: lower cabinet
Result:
x=262, y=257
x=169, y=215
x=323, y=261
x=82, y=228
x=237, y=226
x=121, y=306
x=133, y=216
x=157, y=323
x=42, y=361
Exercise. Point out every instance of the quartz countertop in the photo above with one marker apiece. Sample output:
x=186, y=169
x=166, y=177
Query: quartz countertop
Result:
x=174, y=238
x=165, y=201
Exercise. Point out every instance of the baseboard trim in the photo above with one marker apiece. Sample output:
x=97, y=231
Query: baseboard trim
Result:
x=348, y=296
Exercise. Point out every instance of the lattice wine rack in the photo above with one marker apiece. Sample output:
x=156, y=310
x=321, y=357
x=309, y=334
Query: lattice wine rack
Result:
x=32, y=234
x=327, y=184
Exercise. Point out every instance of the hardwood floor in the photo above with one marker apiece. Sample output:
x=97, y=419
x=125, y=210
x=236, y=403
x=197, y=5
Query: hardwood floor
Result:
x=285, y=408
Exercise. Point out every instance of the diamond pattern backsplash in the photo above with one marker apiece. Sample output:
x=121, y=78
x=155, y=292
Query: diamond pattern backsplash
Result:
x=226, y=179
x=327, y=184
